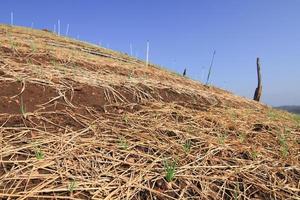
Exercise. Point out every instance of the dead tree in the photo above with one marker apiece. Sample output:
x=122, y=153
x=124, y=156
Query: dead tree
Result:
x=184, y=72
x=258, y=90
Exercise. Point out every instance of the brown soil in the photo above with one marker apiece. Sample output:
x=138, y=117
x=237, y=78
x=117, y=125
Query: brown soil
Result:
x=44, y=98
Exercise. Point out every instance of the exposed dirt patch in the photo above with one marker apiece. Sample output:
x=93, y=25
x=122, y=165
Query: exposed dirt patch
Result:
x=44, y=98
x=38, y=97
x=85, y=95
x=31, y=99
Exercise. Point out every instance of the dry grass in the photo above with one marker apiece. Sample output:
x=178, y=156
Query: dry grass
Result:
x=106, y=125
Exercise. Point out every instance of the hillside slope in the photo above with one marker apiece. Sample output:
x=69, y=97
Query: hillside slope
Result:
x=83, y=122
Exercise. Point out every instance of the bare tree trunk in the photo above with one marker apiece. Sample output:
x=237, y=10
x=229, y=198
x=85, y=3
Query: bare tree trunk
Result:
x=184, y=72
x=258, y=90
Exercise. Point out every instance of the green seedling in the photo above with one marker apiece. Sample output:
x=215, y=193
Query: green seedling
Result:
x=284, y=148
x=130, y=75
x=72, y=186
x=125, y=118
x=22, y=108
x=254, y=155
x=242, y=137
x=123, y=144
x=233, y=114
x=222, y=138
x=170, y=169
x=39, y=154
x=33, y=46
x=187, y=146
x=13, y=44
x=236, y=192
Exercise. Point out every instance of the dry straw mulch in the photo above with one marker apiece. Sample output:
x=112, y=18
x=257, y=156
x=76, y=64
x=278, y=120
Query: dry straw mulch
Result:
x=83, y=122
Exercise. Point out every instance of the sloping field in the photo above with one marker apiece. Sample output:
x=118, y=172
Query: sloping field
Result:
x=82, y=122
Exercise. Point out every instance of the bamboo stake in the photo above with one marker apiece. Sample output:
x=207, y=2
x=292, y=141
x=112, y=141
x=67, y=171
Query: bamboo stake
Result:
x=58, y=27
x=147, y=56
x=211, y=64
x=130, y=49
x=12, y=18
x=67, y=31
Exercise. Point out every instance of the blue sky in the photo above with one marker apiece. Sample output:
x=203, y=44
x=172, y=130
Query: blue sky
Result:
x=185, y=34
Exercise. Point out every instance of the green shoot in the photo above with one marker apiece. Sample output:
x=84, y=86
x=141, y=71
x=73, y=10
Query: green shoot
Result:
x=284, y=148
x=13, y=44
x=39, y=154
x=22, y=108
x=222, y=138
x=130, y=75
x=170, y=169
x=236, y=192
x=254, y=155
x=123, y=144
x=33, y=46
x=187, y=146
x=242, y=137
x=72, y=186
x=125, y=118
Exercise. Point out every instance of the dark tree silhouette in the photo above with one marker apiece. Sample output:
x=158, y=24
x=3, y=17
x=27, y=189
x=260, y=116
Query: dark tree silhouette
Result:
x=258, y=90
x=184, y=72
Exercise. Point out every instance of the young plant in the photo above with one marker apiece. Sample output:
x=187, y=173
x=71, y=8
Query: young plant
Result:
x=284, y=148
x=187, y=146
x=254, y=155
x=72, y=186
x=130, y=75
x=39, y=154
x=242, y=137
x=125, y=118
x=33, y=47
x=23, y=108
x=170, y=168
x=222, y=138
x=13, y=44
x=123, y=144
x=236, y=192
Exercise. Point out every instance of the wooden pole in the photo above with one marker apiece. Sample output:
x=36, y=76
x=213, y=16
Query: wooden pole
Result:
x=258, y=90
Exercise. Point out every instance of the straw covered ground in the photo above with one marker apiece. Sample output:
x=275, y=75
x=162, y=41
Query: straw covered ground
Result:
x=79, y=121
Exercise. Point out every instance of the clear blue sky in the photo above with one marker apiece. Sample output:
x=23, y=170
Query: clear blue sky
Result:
x=184, y=33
